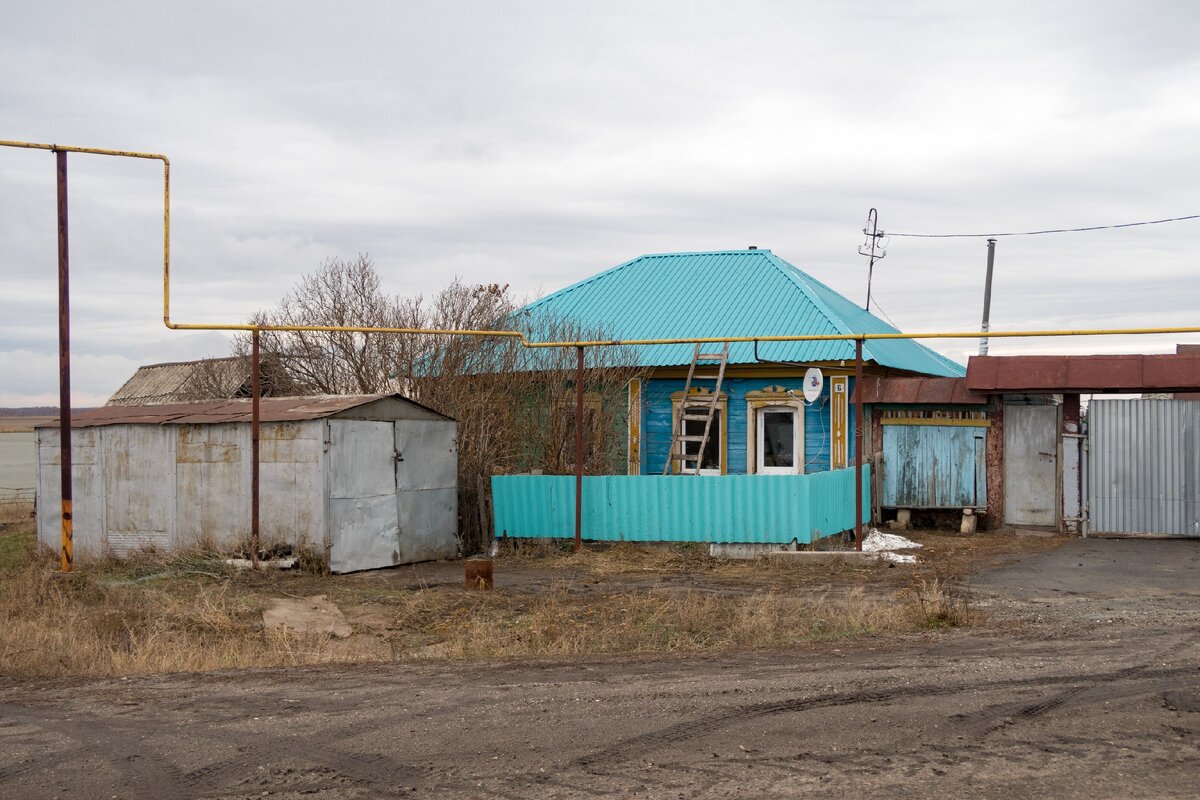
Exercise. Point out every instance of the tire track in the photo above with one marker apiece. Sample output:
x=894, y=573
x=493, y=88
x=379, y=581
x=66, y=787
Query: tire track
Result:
x=684, y=731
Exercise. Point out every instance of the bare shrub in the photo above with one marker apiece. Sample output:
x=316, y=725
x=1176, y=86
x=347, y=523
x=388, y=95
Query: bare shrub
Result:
x=939, y=604
x=515, y=406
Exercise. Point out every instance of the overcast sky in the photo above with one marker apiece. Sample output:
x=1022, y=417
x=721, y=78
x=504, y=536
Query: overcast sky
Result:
x=538, y=143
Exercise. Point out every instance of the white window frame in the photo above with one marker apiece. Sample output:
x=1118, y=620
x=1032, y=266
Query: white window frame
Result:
x=760, y=449
x=773, y=397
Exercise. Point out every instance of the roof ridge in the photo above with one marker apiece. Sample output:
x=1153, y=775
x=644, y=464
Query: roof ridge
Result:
x=789, y=271
x=578, y=284
x=611, y=270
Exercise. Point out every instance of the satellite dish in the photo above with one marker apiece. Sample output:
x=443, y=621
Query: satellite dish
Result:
x=814, y=382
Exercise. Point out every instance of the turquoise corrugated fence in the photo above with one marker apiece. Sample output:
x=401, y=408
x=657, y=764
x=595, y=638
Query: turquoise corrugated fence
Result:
x=680, y=508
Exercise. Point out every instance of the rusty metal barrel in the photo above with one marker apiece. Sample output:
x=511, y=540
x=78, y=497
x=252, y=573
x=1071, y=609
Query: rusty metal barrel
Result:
x=478, y=574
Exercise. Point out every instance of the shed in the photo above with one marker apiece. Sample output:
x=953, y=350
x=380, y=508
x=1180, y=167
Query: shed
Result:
x=368, y=480
x=937, y=444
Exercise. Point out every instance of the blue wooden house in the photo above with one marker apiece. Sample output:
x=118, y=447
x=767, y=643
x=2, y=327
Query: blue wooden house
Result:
x=763, y=424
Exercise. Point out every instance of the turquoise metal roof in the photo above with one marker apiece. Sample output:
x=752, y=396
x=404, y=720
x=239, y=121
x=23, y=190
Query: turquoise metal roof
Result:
x=728, y=294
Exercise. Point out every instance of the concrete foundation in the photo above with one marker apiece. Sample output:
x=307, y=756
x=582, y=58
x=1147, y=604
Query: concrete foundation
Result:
x=748, y=550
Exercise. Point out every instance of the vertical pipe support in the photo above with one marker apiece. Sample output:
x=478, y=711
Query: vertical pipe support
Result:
x=579, y=449
x=67, y=555
x=255, y=393
x=858, y=442
x=987, y=296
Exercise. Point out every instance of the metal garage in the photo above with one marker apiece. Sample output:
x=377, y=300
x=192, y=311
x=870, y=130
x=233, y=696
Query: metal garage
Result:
x=368, y=480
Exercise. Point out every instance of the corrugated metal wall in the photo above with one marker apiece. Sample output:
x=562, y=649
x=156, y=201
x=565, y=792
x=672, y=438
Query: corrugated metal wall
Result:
x=165, y=486
x=680, y=508
x=1144, y=466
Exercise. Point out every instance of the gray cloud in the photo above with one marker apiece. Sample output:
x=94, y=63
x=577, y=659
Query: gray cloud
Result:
x=536, y=143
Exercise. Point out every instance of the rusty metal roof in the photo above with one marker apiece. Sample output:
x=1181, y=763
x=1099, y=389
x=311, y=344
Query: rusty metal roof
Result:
x=930, y=391
x=1085, y=374
x=271, y=409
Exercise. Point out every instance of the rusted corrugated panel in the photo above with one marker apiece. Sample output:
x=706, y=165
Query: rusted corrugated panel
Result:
x=1086, y=374
x=272, y=409
x=927, y=391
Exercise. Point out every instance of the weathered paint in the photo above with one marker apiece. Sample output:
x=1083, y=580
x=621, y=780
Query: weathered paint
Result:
x=188, y=485
x=635, y=426
x=1031, y=464
x=426, y=489
x=87, y=479
x=839, y=422
x=680, y=508
x=1144, y=467
x=657, y=415
x=934, y=466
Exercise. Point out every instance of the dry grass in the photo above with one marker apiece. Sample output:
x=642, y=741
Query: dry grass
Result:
x=555, y=624
x=15, y=511
x=119, y=621
x=192, y=613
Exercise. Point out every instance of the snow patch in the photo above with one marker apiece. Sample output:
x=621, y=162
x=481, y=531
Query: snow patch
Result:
x=884, y=543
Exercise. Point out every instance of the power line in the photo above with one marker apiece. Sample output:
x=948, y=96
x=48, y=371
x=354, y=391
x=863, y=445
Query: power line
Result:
x=878, y=308
x=1039, y=233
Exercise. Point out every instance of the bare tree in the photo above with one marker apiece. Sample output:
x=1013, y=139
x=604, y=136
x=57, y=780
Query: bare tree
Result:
x=515, y=406
x=338, y=293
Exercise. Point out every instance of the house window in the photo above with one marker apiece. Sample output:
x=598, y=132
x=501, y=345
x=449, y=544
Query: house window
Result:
x=778, y=442
x=713, y=461
x=775, y=431
x=710, y=462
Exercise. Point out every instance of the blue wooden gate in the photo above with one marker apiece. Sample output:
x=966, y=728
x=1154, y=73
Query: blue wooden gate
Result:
x=934, y=466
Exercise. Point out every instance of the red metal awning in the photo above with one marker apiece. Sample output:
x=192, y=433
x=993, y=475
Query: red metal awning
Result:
x=930, y=391
x=1175, y=372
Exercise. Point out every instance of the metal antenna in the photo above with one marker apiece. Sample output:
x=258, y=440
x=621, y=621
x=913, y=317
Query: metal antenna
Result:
x=872, y=248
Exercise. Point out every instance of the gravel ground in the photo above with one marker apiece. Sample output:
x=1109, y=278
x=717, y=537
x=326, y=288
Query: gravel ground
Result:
x=1085, y=685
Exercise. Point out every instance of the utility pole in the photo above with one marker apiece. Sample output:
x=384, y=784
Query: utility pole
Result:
x=872, y=248
x=987, y=296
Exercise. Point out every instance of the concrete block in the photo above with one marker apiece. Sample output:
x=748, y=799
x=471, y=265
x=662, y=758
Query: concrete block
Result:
x=748, y=550
x=817, y=556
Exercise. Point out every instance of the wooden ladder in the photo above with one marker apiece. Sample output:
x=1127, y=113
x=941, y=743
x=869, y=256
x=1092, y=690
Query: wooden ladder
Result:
x=700, y=407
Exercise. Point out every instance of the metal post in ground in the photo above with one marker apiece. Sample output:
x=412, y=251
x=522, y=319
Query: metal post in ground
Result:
x=64, y=365
x=858, y=440
x=579, y=450
x=254, y=420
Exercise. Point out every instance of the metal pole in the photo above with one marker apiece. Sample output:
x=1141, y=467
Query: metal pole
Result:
x=987, y=296
x=858, y=440
x=64, y=365
x=254, y=420
x=579, y=450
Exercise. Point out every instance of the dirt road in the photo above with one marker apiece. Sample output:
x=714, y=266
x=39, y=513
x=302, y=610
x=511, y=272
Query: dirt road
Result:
x=1092, y=691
